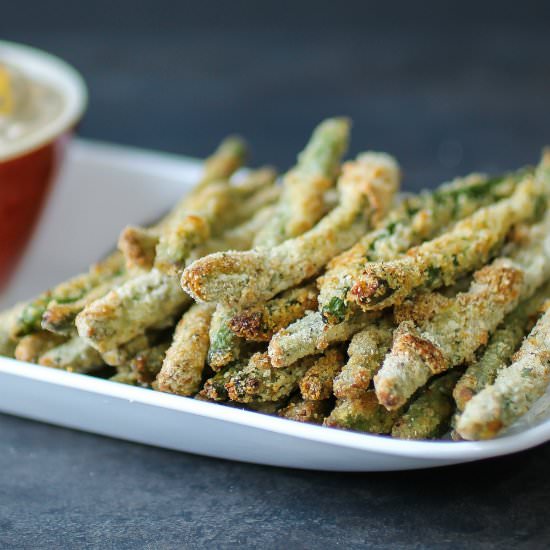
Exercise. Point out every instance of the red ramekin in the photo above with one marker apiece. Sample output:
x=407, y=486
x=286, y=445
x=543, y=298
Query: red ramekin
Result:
x=27, y=169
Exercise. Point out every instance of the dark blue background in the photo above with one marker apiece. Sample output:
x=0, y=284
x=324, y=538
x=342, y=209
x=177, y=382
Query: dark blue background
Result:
x=446, y=87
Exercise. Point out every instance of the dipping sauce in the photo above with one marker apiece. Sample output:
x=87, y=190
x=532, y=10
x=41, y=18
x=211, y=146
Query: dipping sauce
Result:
x=25, y=105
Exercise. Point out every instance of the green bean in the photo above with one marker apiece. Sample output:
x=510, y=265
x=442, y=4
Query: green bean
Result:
x=459, y=326
x=515, y=389
x=414, y=220
x=316, y=384
x=74, y=356
x=301, y=410
x=440, y=262
x=429, y=415
x=302, y=202
x=363, y=414
x=184, y=363
x=366, y=187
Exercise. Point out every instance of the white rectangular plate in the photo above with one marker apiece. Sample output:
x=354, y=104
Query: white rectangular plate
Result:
x=103, y=188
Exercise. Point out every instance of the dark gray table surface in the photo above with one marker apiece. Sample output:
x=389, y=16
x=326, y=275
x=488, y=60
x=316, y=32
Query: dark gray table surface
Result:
x=446, y=90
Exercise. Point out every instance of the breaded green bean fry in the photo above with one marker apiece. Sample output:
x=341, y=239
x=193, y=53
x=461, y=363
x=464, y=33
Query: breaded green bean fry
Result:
x=301, y=410
x=225, y=345
x=302, y=202
x=258, y=381
x=515, y=390
x=259, y=323
x=74, y=356
x=310, y=335
x=363, y=414
x=498, y=354
x=7, y=320
x=147, y=363
x=121, y=355
x=30, y=318
x=151, y=297
x=316, y=384
x=429, y=415
x=59, y=317
x=366, y=187
x=32, y=346
x=218, y=206
x=185, y=359
x=138, y=244
x=414, y=220
x=365, y=355
x=214, y=388
x=440, y=262
x=459, y=326
x=150, y=300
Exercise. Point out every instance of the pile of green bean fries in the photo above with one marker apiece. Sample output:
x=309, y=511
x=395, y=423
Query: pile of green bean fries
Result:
x=321, y=296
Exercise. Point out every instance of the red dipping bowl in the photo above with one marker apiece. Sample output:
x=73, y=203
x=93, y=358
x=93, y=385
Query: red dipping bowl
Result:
x=28, y=166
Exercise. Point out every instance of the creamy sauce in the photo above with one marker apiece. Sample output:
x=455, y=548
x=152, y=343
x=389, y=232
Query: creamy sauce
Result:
x=26, y=105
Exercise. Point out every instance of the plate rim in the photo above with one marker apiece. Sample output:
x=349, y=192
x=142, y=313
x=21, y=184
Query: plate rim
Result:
x=437, y=450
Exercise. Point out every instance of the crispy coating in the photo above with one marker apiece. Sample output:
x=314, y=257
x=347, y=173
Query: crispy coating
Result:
x=32, y=346
x=74, y=355
x=302, y=201
x=214, y=388
x=366, y=187
x=218, y=207
x=30, y=318
x=301, y=410
x=225, y=345
x=147, y=363
x=365, y=355
x=414, y=220
x=138, y=245
x=148, y=300
x=259, y=323
x=259, y=381
x=423, y=306
x=441, y=261
x=210, y=211
x=316, y=384
x=184, y=363
x=310, y=335
x=225, y=161
x=498, y=354
x=206, y=211
x=515, y=390
x=153, y=297
x=429, y=414
x=59, y=317
x=121, y=355
x=463, y=324
x=7, y=320
x=362, y=414
x=125, y=375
